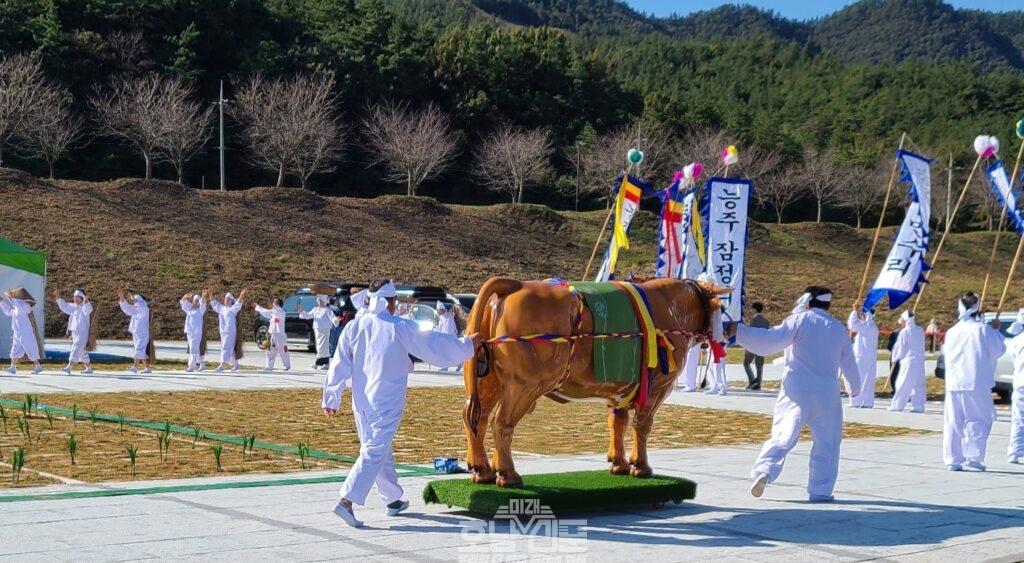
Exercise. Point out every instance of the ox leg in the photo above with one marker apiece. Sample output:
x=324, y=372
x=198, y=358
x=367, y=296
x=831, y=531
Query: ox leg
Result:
x=618, y=419
x=476, y=453
x=643, y=420
x=509, y=413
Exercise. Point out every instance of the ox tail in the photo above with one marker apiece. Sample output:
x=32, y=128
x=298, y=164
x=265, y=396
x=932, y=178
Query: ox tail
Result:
x=480, y=365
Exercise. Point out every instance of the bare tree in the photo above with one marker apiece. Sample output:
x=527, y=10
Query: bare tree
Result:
x=21, y=79
x=822, y=175
x=130, y=49
x=509, y=158
x=147, y=112
x=703, y=145
x=187, y=129
x=52, y=128
x=779, y=191
x=605, y=160
x=860, y=191
x=290, y=124
x=416, y=146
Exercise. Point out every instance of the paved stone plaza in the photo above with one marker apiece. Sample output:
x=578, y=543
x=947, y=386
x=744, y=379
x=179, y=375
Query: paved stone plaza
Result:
x=895, y=501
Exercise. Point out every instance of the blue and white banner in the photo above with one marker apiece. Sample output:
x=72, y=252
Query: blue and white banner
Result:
x=728, y=201
x=695, y=253
x=627, y=202
x=1007, y=195
x=903, y=272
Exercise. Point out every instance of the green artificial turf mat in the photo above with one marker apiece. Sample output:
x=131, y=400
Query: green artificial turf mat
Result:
x=578, y=490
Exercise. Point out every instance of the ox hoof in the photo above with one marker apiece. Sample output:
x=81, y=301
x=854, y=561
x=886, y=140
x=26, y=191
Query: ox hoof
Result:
x=622, y=468
x=486, y=477
x=510, y=480
x=641, y=472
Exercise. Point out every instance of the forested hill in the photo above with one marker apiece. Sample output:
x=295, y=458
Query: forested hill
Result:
x=868, y=31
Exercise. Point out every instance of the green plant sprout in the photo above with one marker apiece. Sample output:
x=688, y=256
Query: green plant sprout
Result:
x=3, y=415
x=17, y=462
x=133, y=451
x=120, y=421
x=72, y=447
x=49, y=418
x=74, y=414
x=196, y=433
x=92, y=416
x=217, y=449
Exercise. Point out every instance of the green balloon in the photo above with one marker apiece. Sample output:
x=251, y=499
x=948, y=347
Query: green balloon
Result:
x=634, y=156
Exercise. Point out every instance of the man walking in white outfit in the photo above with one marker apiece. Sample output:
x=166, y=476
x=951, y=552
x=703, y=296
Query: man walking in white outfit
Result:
x=817, y=348
x=277, y=338
x=324, y=320
x=373, y=356
x=18, y=304
x=227, y=325
x=865, y=350
x=194, y=307
x=909, y=352
x=79, y=314
x=972, y=349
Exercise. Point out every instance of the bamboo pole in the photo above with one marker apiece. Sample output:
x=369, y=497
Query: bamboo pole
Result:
x=999, y=230
x=1020, y=244
x=952, y=216
x=878, y=229
x=597, y=244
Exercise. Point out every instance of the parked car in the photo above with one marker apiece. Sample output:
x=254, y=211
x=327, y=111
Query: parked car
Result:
x=300, y=331
x=425, y=314
x=1004, y=367
x=466, y=300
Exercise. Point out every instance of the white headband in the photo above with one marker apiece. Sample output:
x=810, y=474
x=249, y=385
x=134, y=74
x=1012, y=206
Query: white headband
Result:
x=139, y=298
x=906, y=315
x=228, y=295
x=79, y=293
x=966, y=313
x=824, y=298
x=387, y=291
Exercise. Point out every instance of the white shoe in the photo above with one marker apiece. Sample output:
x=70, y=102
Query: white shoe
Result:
x=202, y=367
x=11, y=370
x=37, y=369
x=347, y=515
x=711, y=391
x=87, y=370
x=133, y=369
x=1014, y=459
x=723, y=392
x=397, y=507
x=147, y=370
x=66, y=370
x=235, y=368
x=757, y=488
x=975, y=465
x=917, y=410
x=287, y=369
x=189, y=370
x=219, y=369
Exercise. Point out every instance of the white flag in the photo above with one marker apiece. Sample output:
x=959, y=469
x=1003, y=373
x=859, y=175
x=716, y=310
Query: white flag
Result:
x=727, y=239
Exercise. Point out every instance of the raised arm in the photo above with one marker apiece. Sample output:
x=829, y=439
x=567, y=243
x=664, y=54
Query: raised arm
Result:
x=439, y=349
x=854, y=322
x=216, y=306
x=128, y=308
x=186, y=304
x=6, y=307
x=65, y=307
x=766, y=341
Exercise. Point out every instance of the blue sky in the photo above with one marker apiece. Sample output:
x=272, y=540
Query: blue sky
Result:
x=796, y=9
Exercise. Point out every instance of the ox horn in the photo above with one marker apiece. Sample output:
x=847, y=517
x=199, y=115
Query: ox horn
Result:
x=721, y=290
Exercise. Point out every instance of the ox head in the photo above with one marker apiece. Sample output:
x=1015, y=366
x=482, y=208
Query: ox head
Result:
x=713, y=291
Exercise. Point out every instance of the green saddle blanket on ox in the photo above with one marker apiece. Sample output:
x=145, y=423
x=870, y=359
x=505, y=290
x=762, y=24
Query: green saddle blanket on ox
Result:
x=615, y=359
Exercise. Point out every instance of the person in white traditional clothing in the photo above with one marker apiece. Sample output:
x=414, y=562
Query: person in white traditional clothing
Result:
x=691, y=368
x=1015, y=449
x=227, y=325
x=445, y=320
x=719, y=384
x=277, y=344
x=909, y=352
x=79, y=312
x=194, y=307
x=817, y=348
x=971, y=350
x=137, y=307
x=373, y=357
x=18, y=304
x=324, y=320
x=865, y=349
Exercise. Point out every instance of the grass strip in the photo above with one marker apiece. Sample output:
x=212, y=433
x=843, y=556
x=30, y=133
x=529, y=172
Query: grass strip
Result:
x=236, y=440
x=576, y=490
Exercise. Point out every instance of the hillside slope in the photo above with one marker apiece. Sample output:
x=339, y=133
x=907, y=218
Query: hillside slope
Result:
x=165, y=240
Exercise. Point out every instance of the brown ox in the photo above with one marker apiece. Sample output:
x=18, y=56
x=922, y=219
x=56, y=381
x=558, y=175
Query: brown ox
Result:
x=518, y=373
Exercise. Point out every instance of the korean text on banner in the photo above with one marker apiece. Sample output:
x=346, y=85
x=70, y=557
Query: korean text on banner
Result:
x=728, y=201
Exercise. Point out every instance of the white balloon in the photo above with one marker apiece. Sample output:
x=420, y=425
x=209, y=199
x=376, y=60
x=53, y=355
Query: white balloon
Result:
x=981, y=144
x=994, y=143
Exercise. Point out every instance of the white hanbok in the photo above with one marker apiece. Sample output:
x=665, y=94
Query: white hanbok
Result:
x=23, y=338
x=194, y=316
x=865, y=350
x=227, y=325
x=278, y=344
x=138, y=326
x=718, y=384
x=79, y=319
x=446, y=324
x=324, y=320
x=373, y=356
x=971, y=350
x=909, y=352
x=1016, y=346
x=691, y=367
x=818, y=348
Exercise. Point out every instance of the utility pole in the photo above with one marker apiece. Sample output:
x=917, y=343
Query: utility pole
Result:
x=579, y=163
x=949, y=188
x=220, y=105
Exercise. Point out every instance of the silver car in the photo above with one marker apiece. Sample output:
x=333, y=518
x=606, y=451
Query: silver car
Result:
x=1004, y=367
